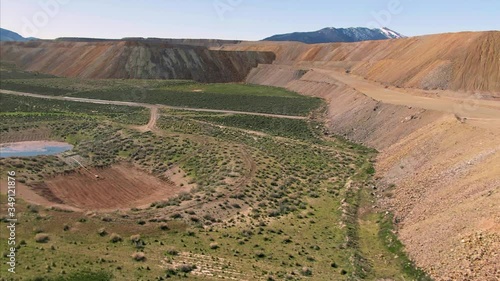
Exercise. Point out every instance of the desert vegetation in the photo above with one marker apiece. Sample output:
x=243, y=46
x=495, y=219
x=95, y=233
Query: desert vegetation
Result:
x=220, y=195
x=237, y=97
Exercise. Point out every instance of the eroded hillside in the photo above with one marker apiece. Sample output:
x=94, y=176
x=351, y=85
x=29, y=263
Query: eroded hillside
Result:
x=133, y=59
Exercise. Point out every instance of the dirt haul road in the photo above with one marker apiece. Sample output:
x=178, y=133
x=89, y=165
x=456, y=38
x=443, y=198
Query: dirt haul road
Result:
x=472, y=109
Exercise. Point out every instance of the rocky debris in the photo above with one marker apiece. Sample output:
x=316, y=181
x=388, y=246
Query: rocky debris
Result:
x=475, y=254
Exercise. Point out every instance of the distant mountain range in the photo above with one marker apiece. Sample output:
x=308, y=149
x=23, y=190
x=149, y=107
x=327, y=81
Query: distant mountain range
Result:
x=7, y=35
x=326, y=35
x=332, y=35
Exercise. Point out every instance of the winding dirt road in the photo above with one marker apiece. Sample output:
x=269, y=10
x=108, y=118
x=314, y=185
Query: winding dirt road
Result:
x=153, y=107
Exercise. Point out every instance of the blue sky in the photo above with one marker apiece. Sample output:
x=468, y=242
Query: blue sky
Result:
x=239, y=19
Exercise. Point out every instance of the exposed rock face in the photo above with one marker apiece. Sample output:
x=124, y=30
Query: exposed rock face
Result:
x=133, y=59
x=467, y=61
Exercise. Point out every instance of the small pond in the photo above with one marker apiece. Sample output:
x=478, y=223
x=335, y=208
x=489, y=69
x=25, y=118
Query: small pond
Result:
x=33, y=148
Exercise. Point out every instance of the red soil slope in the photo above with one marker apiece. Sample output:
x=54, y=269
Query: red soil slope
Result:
x=117, y=187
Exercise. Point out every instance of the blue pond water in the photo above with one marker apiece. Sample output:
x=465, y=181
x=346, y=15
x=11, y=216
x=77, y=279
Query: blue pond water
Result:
x=35, y=148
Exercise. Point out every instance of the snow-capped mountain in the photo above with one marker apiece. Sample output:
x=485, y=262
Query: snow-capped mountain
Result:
x=331, y=34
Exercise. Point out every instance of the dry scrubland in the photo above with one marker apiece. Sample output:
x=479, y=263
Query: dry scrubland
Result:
x=192, y=195
x=428, y=104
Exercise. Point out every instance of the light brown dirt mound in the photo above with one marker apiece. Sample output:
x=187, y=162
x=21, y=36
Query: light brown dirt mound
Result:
x=118, y=187
x=129, y=59
x=482, y=61
x=466, y=61
x=274, y=76
x=447, y=190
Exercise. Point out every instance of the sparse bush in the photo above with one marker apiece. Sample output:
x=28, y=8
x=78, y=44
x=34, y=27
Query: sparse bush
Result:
x=172, y=252
x=102, y=232
x=273, y=213
x=306, y=271
x=260, y=255
x=37, y=230
x=171, y=271
x=186, y=268
x=214, y=245
x=139, y=256
x=42, y=238
x=135, y=238
x=176, y=216
x=115, y=238
x=33, y=208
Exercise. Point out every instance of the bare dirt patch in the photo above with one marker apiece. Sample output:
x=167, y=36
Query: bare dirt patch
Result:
x=118, y=187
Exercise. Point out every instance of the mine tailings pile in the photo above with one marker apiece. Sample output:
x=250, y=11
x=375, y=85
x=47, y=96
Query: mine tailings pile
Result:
x=139, y=59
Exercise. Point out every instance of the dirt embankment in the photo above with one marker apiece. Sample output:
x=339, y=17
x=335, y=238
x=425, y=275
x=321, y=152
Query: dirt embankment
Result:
x=272, y=75
x=466, y=61
x=446, y=195
x=133, y=59
x=438, y=172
